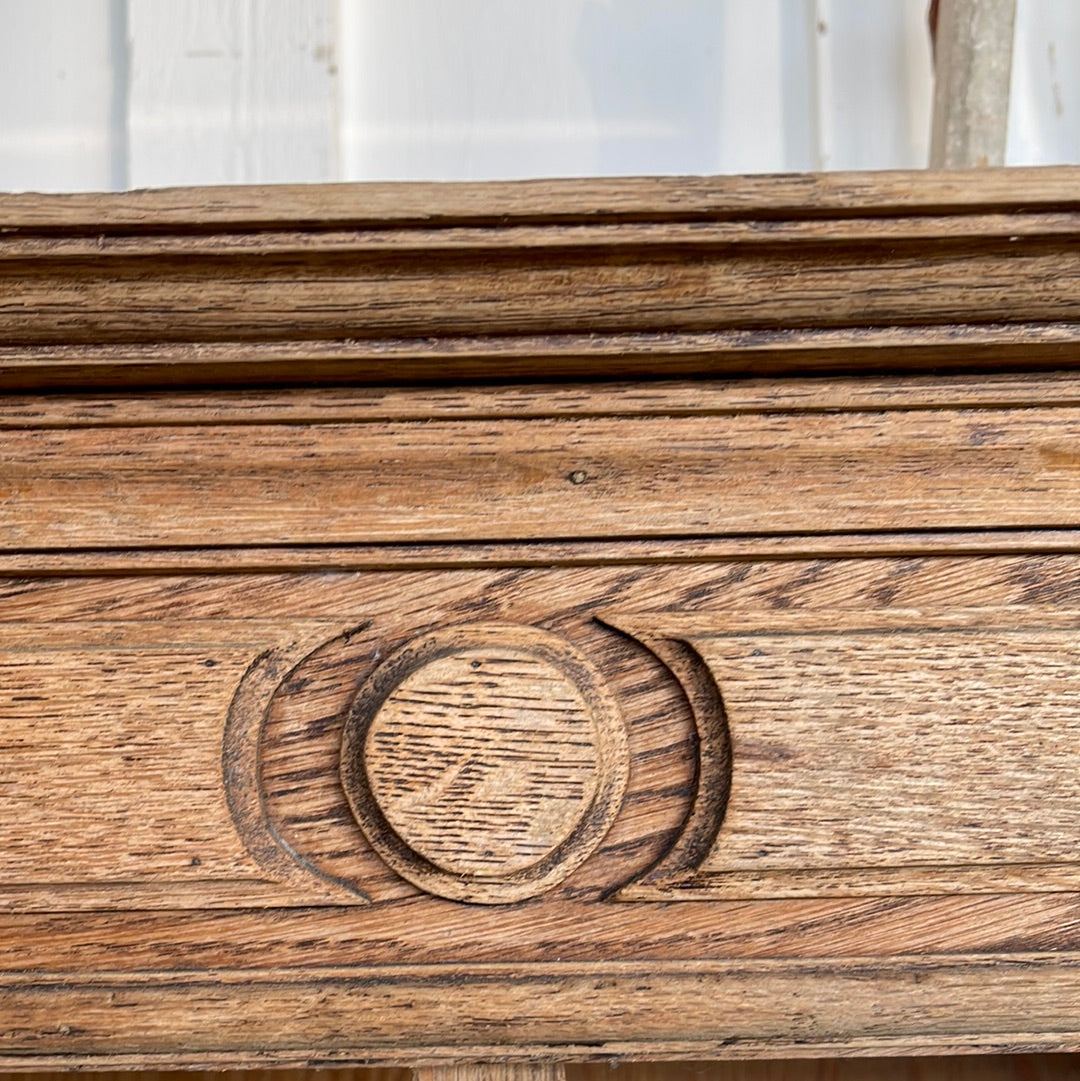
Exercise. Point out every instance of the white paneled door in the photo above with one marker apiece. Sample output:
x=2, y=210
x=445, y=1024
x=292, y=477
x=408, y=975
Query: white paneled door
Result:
x=112, y=94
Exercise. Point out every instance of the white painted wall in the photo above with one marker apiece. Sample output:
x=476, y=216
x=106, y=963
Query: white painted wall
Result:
x=109, y=94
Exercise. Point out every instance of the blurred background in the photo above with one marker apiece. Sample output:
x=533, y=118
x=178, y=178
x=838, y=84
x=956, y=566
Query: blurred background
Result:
x=115, y=94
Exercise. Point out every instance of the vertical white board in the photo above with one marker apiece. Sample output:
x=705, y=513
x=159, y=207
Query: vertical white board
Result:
x=874, y=83
x=1044, y=104
x=62, y=95
x=767, y=92
x=487, y=88
x=232, y=91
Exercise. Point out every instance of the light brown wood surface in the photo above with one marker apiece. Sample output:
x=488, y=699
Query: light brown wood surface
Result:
x=544, y=478
x=485, y=762
x=539, y=279
x=635, y=198
x=122, y=808
x=509, y=285
x=542, y=719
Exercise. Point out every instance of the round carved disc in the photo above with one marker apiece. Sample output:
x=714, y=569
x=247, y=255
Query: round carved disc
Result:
x=484, y=762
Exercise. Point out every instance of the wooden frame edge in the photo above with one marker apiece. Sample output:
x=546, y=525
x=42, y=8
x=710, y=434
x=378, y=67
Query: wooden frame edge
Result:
x=542, y=279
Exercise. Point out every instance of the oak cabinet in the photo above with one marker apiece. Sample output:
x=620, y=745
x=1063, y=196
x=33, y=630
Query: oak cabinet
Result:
x=540, y=622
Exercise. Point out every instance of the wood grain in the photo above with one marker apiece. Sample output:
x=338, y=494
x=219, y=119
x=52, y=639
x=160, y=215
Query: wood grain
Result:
x=635, y=198
x=525, y=1012
x=901, y=638
x=485, y=762
x=737, y=352
x=581, y=287
x=878, y=741
x=221, y=560
x=587, y=477
x=520, y=716
x=652, y=398
x=390, y=283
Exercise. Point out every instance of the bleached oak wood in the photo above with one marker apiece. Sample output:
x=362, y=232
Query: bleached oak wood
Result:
x=543, y=279
x=588, y=477
x=663, y=398
x=597, y=199
x=918, y=636
x=368, y=1015
x=485, y=762
x=513, y=721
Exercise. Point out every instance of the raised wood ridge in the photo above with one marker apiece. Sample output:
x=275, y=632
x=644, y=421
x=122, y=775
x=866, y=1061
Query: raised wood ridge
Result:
x=387, y=282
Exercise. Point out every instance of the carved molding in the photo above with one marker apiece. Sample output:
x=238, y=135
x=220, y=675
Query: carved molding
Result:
x=485, y=762
x=548, y=278
x=849, y=816
x=489, y=761
x=478, y=762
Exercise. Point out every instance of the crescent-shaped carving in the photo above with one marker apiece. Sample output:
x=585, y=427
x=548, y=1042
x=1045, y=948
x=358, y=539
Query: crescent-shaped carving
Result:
x=712, y=783
x=478, y=762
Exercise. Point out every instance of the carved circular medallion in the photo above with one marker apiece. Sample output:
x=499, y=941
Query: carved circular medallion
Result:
x=484, y=762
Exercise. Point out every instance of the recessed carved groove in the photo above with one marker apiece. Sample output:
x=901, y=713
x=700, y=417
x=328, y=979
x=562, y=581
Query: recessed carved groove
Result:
x=712, y=781
x=485, y=762
x=243, y=761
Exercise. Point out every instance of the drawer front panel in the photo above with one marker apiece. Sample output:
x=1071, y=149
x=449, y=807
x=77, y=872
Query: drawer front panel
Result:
x=300, y=796
x=713, y=731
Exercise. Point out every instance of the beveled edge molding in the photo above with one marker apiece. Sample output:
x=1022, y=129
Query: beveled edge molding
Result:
x=359, y=762
x=689, y=198
x=396, y=282
x=168, y=562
